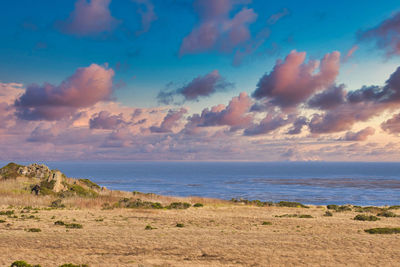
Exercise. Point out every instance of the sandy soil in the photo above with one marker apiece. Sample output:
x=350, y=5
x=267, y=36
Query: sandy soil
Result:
x=214, y=235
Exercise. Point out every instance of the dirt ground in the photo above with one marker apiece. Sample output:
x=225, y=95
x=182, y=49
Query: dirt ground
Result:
x=213, y=235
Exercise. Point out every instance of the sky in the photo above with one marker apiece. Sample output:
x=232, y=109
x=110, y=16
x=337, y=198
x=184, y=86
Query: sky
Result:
x=208, y=80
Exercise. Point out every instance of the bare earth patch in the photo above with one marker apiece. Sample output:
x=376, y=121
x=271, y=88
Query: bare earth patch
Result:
x=218, y=234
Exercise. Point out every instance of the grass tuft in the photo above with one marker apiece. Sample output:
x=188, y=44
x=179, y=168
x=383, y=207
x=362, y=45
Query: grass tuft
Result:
x=383, y=231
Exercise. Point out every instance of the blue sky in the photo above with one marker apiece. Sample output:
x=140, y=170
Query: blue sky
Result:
x=37, y=47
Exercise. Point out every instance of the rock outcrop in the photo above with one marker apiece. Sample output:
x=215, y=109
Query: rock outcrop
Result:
x=50, y=181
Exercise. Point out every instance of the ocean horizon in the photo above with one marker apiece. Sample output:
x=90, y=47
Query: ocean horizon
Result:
x=318, y=183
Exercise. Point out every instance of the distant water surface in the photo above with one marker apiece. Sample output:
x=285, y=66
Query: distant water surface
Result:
x=307, y=182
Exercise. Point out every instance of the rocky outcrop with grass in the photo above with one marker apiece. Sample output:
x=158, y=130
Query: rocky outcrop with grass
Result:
x=51, y=182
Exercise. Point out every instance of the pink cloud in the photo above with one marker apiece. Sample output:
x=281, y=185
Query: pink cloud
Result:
x=170, y=121
x=293, y=81
x=350, y=53
x=84, y=88
x=392, y=125
x=104, y=120
x=89, y=18
x=236, y=115
x=216, y=30
x=200, y=86
x=361, y=135
x=386, y=35
x=332, y=97
x=270, y=123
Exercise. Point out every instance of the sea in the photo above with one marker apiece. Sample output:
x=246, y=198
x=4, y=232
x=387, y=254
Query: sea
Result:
x=318, y=183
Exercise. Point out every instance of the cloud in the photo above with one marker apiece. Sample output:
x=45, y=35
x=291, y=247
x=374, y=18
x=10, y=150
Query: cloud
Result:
x=104, y=120
x=293, y=81
x=350, y=53
x=84, y=88
x=343, y=117
x=200, y=86
x=89, y=18
x=270, y=123
x=216, y=29
x=277, y=16
x=392, y=125
x=386, y=35
x=146, y=11
x=328, y=99
x=298, y=125
x=236, y=115
x=361, y=135
x=170, y=121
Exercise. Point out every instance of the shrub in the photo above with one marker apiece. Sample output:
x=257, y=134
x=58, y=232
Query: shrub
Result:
x=339, y=208
x=46, y=188
x=291, y=204
x=198, y=205
x=149, y=227
x=73, y=225
x=7, y=212
x=383, y=230
x=371, y=209
x=2, y=221
x=305, y=216
x=73, y=265
x=256, y=202
x=266, y=223
x=178, y=205
x=10, y=171
x=90, y=184
x=328, y=214
x=362, y=217
x=59, y=223
x=34, y=230
x=57, y=204
x=180, y=225
x=138, y=203
x=387, y=213
x=23, y=264
x=395, y=207
x=80, y=191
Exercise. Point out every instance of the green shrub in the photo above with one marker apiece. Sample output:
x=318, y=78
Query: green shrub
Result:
x=395, y=207
x=137, y=203
x=294, y=216
x=255, y=202
x=328, y=214
x=46, y=188
x=10, y=171
x=2, y=221
x=73, y=265
x=266, y=223
x=339, y=208
x=149, y=227
x=23, y=264
x=180, y=225
x=73, y=226
x=7, y=212
x=290, y=204
x=82, y=192
x=362, y=217
x=178, y=205
x=90, y=184
x=59, y=223
x=198, y=205
x=383, y=230
x=387, y=213
x=34, y=230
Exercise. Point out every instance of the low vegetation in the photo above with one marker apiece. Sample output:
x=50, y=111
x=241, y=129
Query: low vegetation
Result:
x=266, y=223
x=178, y=205
x=385, y=230
x=34, y=230
x=328, y=213
x=198, y=205
x=294, y=216
x=90, y=184
x=338, y=208
x=386, y=213
x=180, y=225
x=23, y=264
x=362, y=217
x=10, y=171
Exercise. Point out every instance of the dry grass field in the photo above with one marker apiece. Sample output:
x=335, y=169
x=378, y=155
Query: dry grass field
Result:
x=221, y=233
